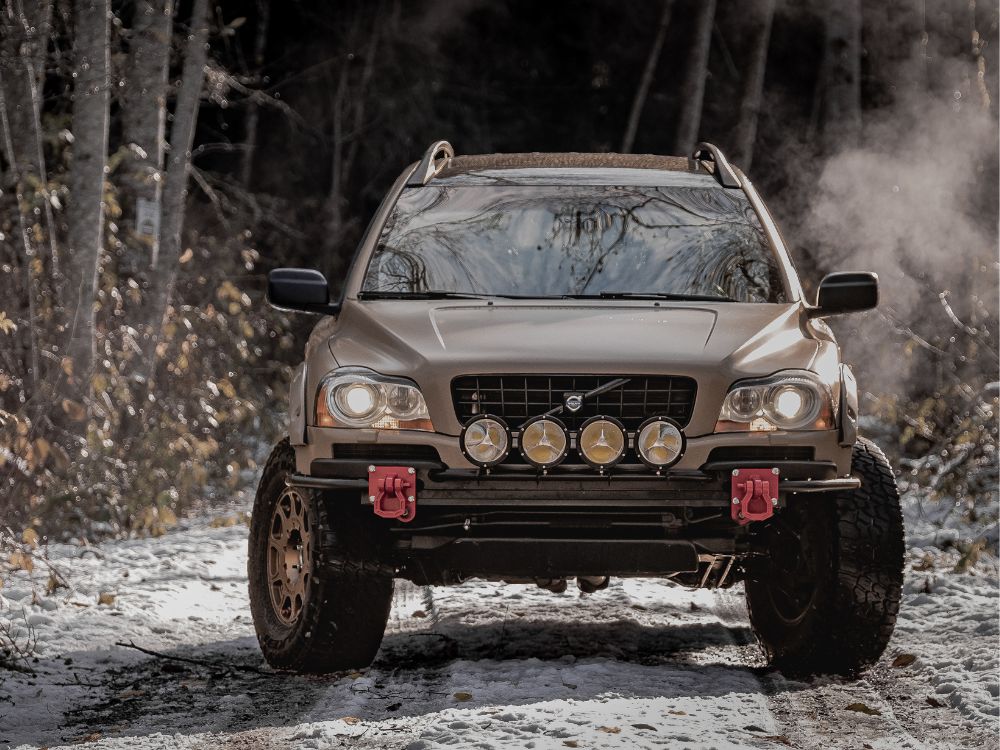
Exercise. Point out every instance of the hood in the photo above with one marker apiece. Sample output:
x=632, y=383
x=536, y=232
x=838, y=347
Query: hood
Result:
x=569, y=336
x=435, y=341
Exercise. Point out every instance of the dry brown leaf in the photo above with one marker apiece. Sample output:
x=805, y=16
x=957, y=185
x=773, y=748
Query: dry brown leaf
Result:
x=571, y=743
x=30, y=537
x=903, y=660
x=610, y=730
x=92, y=737
x=462, y=696
x=419, y=613
x=75, y=411
x=186, y=256
x=106, y=597
x=352, y=720
x=21, y=561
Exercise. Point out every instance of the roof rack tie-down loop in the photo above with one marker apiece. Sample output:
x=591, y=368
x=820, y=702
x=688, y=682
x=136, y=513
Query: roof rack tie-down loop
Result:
x=428, y=166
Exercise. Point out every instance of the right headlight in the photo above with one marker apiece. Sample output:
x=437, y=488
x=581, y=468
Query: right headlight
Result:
x=357, y=397
x=792, y=400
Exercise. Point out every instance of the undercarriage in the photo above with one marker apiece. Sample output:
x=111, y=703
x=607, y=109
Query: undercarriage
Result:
x=517, y=524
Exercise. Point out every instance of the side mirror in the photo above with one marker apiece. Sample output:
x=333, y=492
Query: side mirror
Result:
x=845, y=293
x=300, y=289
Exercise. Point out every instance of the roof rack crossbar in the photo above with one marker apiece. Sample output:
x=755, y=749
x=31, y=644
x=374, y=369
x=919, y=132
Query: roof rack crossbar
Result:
x=428, y=166
x=723, y=172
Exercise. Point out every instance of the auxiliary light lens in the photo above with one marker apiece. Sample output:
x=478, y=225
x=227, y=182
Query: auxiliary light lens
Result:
x=660, y=442
x=485, y=441
x=544, y=442
x=602, y=442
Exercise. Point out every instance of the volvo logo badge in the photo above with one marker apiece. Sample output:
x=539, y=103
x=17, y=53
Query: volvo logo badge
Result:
x=573, y=402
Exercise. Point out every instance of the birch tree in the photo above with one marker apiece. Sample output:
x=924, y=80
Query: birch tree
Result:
x=693, y=88
x=639, y=101
x=759, y=27
x=175, y=187
x=85, y=214
x=144, y=116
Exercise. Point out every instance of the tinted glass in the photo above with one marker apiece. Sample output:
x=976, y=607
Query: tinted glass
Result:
x=545, y=241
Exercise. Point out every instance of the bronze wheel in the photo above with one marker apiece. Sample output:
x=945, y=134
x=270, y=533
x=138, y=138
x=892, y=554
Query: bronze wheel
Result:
x=289, y=556
x=319, y=594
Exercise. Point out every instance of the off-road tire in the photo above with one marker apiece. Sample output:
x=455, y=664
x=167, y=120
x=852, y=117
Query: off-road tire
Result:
x=348, y=595
x=854, y=540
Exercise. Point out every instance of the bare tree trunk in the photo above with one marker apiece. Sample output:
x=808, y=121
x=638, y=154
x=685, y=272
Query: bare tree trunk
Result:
x=85, y=215
x=753, y=82
x=842, y=85
x=24, y=34
x=33, y=370
x=144, y=116
x=175, y=188
x=253, y=109
x=693, y=89
x=639, y=102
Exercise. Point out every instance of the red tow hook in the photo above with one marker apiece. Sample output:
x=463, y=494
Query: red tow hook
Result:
x=754, y=493
x=392, y=491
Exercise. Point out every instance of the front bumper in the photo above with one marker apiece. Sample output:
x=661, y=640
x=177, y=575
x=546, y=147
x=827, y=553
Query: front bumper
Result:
x=825, y=444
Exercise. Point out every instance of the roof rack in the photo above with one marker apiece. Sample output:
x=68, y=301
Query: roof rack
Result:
x=428, y=167
x=706, y=152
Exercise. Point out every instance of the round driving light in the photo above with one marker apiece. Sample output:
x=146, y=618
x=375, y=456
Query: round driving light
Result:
x=745, y=403
x=602, y=442
x=660, y=442
x=485, y=441
x=544, y=442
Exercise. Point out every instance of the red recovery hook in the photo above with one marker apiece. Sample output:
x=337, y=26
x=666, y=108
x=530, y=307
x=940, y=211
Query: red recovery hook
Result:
x=754, y=493
x=392, y=491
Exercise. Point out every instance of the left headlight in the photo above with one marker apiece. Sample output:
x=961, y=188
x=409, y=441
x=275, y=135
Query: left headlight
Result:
x=793, y=400
x=355, y=397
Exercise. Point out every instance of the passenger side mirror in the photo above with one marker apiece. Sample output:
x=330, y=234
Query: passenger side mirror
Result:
x=845, y=293
x=300, y=289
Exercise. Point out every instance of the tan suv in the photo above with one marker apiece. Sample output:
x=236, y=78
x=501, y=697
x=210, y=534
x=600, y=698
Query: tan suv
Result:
x=574, y=366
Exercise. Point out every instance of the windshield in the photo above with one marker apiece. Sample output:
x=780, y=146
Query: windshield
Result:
x=574, y=240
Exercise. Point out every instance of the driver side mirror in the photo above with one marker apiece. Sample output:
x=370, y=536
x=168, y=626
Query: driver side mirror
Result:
x=845, y=293
x=300, y=290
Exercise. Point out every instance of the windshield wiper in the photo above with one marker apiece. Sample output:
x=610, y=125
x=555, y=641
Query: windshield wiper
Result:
x=657, y=295
x=431, y=294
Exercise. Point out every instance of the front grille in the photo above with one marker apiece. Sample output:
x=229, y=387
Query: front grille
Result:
x=517, y=398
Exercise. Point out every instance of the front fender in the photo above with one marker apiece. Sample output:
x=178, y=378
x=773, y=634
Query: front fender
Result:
x=848, y=417
x=297, y=406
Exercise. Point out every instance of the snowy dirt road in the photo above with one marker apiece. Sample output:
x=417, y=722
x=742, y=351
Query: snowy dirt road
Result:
x=642, y=664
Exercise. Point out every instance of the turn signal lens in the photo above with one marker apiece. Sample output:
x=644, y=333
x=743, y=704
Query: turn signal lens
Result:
x=602, y=442
x=485, y=441
x=544, y=442
x=660, y=442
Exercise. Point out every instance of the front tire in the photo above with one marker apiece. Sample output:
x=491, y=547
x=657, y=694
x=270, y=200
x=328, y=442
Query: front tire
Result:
x=319, y=599
x=824, y=597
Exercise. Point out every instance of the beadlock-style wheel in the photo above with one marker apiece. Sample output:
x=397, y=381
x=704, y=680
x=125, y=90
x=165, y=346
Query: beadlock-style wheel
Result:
x=319, y=594
x=289, y=556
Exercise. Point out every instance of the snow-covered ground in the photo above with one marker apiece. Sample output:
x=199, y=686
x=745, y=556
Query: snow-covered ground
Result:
x=642, y=664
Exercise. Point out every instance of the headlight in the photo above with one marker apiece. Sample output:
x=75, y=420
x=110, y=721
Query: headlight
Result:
x=544, y=442
x=795, y=400
x=602, y=442
x=485, y=441
x=660, y=442
x=356, y=397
